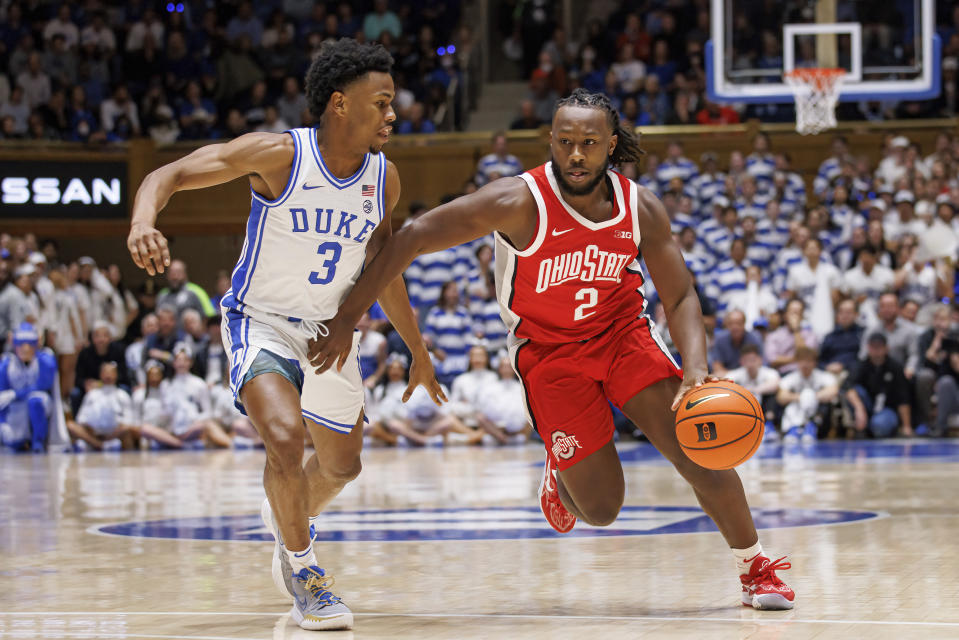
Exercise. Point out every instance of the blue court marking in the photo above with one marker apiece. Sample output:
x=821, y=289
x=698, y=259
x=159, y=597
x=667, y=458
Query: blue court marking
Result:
x=912, y=450
x=478, y=523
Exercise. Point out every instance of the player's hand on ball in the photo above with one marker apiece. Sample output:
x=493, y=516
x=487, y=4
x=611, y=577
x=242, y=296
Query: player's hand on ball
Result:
x=690, y=382
x=334, y=348
x=148, y=248
x=422, y=373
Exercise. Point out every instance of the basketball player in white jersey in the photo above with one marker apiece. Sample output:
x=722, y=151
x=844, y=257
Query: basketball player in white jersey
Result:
x=321, y=201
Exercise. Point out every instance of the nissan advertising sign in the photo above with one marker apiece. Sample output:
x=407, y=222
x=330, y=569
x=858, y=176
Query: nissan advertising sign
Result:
x=41, y=189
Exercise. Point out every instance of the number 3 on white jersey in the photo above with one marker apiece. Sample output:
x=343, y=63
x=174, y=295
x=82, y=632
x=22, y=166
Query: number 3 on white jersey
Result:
x=591, y=296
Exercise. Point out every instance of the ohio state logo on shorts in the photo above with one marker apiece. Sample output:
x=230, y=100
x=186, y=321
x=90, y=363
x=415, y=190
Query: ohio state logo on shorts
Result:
x=564, y=446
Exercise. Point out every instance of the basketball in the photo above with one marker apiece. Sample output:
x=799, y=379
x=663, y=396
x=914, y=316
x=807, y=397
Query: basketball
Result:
x=719, y=425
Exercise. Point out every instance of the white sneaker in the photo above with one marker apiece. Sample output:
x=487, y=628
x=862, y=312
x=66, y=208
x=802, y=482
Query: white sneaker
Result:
x=315, y=607
x=282, y=570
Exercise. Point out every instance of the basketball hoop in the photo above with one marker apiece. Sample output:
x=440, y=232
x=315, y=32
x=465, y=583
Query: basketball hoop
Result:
x=816, y=92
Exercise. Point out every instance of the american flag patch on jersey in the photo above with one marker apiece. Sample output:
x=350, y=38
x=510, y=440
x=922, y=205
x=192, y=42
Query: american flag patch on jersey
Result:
x=368, y=190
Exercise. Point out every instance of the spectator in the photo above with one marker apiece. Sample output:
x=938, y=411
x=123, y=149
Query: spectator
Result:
x=197, y=338
x=879, y=393
x=542, y=97
x=867, y=281
x=840, y=347
x=379, y=20
x=292, y=103
x=757, y=300
x=653, y=102
x=500, y=161
x=449, y=328
x=197, y=114
x=629, y=71
x=817, y=284
x=150, y=417
x=34, y=82
x=98, y=36
x=183, y=294
x=502, y=413
x=528, y=119
x=27, y=379
x=387, y=411
x=17, y=110
x=675, y=165
x=135, y=354
x=18, y=302
x=148, y=26
x=466, y=393
x=102, y=348
x=417, y=121
x=159, y=346
x=106, y=412
x=932, y=347
x=806, y=395
x=117, y=106
x=60, y=63
x=713, y=113
x=68, y=335
x=245, y=22
x=372, y=352
x=82, y=121
x=62, y=26
x=237, y=70
x=729, y=343
x=760, y=380
x=902, y=340
x=187, y=400
x=782, y=344
x=272, y=123
x=947, y=389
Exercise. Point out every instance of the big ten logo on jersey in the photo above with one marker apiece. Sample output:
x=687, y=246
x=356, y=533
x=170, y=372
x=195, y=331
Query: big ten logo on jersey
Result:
x=707, y=431
x=328, y=222
x=628, y=235
x=587, y=265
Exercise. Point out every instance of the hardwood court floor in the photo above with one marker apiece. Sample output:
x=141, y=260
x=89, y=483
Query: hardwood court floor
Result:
x=450, y=544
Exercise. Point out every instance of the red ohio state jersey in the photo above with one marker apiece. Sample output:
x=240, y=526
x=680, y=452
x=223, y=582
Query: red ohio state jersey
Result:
x=577, y=276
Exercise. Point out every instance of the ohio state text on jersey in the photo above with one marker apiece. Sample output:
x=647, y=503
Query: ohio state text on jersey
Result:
x=577, y=276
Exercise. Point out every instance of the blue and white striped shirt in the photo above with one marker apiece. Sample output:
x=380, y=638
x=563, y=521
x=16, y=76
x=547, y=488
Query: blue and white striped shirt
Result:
x=682, y=168
x=451, y=331
x=492, y=163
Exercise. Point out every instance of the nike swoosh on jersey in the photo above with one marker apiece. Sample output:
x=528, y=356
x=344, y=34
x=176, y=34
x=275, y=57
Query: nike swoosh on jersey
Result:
x=690, y=404
x=307, y=187
x=559, y=233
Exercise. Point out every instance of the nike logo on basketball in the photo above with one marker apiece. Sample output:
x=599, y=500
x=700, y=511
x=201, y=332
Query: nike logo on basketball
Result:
x=691, y=404
x=559, y=233
x=307, y=187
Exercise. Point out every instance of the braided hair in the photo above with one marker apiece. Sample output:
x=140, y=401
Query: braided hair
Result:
x=627, y=145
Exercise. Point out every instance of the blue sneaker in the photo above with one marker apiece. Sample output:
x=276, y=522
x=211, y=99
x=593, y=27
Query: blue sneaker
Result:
x=315, y=607
x=810, y=433
x=282, y=570
x=792, y=435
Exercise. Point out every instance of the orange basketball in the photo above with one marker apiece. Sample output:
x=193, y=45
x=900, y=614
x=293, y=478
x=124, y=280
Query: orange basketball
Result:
x=719, y=425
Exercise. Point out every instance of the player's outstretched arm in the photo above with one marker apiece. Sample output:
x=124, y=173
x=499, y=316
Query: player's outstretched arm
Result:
x=676, y=290
x=498, y=206
x=396, y=302
x=210, y=165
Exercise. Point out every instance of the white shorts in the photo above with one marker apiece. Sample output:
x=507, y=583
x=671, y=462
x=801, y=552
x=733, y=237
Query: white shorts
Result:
x=333, y=399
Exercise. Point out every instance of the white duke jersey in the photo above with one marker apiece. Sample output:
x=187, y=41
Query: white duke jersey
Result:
x=304, y=251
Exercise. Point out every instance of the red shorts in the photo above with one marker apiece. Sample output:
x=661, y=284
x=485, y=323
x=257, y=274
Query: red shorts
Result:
x=569, y=386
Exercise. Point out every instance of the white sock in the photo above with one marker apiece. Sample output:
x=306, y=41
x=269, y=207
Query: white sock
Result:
x=313, y=521
x=300, y=560
x=745, y=557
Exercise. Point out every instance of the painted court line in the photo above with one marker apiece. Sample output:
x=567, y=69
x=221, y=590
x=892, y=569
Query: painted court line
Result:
x=505, y=616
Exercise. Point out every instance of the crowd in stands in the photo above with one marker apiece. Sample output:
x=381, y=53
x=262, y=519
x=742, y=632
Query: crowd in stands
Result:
x=836, y=308
x=97, y=71
x=648, y=57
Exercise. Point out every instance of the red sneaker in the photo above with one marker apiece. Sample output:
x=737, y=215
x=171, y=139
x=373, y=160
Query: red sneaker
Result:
x=556, y=514
x=762, y=589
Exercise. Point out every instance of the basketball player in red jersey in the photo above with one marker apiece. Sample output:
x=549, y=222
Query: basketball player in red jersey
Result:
x=569, y=235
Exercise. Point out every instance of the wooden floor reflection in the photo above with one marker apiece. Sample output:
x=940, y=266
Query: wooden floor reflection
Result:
x=449, y=544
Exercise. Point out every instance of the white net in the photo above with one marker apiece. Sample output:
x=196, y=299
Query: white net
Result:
x=816, y=92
